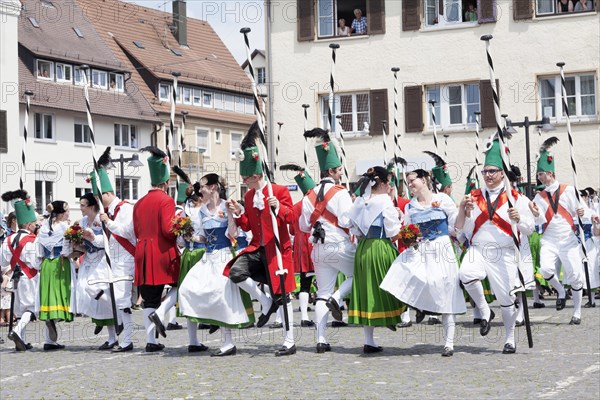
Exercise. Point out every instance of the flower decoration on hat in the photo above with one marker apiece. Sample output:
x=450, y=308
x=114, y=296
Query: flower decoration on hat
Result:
x=165, y=160
x=550, y=157
x=325, y=146
x=255, y=155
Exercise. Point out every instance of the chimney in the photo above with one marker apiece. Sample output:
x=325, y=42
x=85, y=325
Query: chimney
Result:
x=180, y=21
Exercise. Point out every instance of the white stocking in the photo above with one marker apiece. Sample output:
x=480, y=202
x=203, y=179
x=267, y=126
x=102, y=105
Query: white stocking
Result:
x=251, y=287
x=369, y=332
x=509, y=316
x=192, y=329
x=227, y=339
x=169, y=302
x=112, y=334
x=577, y=299
x=303, y=297
x=321, y=316
x=448, y=320
x=20, y=328
x=127, y=319
x=289, y=334
x=149, y=325
x=475, y=290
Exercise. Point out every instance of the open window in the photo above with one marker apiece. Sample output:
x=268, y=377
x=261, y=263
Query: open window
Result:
x=45, y=70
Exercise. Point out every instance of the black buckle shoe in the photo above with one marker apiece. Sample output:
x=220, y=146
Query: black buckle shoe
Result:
x=575, y=321
x=538, y=305
x=560, y=304
x=97, y=329
x=485, y=326
x=108, y=346
x=334, y=307
x=196, y=348
x=509, y=349
x=368, y=349
x=52, y=333
x=160, y=328
x=276, y=325
x=420, y=316
x=391, y=327
x=230, y=352
x=154, y=347
x=433, y=321
x=405, y=324
x=264, y=318
x=476, y=321
x=284, y=351
x=203, y=326
x=174, y=327
x=19, y=344
x=213, y=329
x=119, y=329
x=120, y=349
x=306, y=323
x=323, y=347
x=50, y=347
x=338, y=324
x=589, y=305
x=448, y=352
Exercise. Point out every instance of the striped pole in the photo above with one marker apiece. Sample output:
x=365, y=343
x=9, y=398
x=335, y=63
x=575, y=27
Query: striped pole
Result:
x=174, y=94
x=446, y=146
x=265, y=161
x=181, y=145
x=28, y=94
x=507, y=185
x=477, y=127
x=383, y=136
x=279, y=124
x=565, y=107
x=435, y=141
x=105, y=231
x=397, y=133
x=330, y=111
x=306, y=107
x=340, y=129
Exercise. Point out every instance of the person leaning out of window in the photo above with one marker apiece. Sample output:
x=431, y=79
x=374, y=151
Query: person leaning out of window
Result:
x=359, y=24
x=563, y=6
x=584, y=5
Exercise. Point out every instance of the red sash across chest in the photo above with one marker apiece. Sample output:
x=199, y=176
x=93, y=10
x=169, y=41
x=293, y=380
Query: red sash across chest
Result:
x=497, y=220
x=321, y=207
x=16, y=255
x=560, y=210
x=120, y=239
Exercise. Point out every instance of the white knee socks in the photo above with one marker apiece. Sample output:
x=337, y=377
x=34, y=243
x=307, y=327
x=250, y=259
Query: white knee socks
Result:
x=405, y=316
x=369, y=332
x=303, y=297
x=343, y=291
x=127, y=320
x=577, y=298
x=448, y=321
x=475, y=290
x=509, y=316
x=321, y=316
x=149, y=325
x=289, y=334
x=251, y=287
x=20, y=328
x=112, y=334
x=192, y=329
x=558, y=286
x=169, y=302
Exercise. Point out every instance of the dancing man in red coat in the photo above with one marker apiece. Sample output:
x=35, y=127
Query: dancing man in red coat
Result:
x=257, y=263
x=156, y=254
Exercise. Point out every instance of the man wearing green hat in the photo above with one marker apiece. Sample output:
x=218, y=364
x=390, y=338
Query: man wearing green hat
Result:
x=156, y=253
x=485, y=219
x=556, y=207
x=118, y=217
x=325, y=215
x=18, y=255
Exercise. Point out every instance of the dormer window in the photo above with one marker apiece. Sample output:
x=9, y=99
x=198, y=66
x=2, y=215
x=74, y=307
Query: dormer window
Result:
x=99, y=79
x=64, y=73
x=78, y=75
x=45, y=70
x=116, y=82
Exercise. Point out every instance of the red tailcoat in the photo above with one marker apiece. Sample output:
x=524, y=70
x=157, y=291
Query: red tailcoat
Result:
x=259, y=222
x=156, y=255
x=302, y=245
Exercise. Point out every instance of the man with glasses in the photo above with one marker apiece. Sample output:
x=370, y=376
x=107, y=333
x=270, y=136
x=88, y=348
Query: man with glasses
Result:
x=556, y=207
x=485, y=219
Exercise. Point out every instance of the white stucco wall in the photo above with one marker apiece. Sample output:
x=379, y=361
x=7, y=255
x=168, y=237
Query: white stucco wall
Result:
x=521, y=50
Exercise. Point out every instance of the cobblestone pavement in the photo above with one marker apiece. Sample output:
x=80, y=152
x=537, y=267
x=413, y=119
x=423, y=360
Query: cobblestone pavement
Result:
x=564, y=362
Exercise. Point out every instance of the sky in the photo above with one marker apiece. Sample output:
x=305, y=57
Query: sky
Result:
x=226, y=17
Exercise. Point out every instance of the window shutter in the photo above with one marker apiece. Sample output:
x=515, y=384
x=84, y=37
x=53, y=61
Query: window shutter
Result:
x=379, y=110
x=486, y=11
x=306, y=20
x=375, y=16
x=3, y=133
x=441, y=7
x=413, y=109
x=522, y=9
x=411, y=18
x=488, y=115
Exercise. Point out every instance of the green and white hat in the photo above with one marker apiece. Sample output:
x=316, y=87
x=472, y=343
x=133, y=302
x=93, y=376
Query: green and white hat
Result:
x=545, y=162
x=105, y=184
x=327, y=155
x=184, y=183
x=439, y=172
x=24, y=210
x=472, y=182
x=493, y=156
x=158, y=164
x=249, y=154
x=303, y=179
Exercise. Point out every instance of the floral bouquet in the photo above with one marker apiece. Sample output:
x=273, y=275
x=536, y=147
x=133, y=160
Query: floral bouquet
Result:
x=410, y=235
x=74, y=233
x=182, y=226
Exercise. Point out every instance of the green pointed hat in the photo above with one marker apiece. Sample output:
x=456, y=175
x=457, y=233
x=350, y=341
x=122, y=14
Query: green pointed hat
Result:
x=24, y=210
x=303, y=179
x=439, y=172
x=326, y=153
x=158, y=164
x=545, y=162
x=493, y=156
x=103, y=163
x=93, y=181
x=395, y=172
x=472, y=182
x=249, y=154
x=184, y=183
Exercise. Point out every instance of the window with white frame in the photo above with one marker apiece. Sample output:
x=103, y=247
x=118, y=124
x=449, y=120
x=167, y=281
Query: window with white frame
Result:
x=218, y=101
x=124, y=134
x=130, y=188
x=133, y=137
x=330, y=12
x=44, y=193
x=239, y=104
x=207, y=99
x=581, y=96
x=64, y=73
x=236, y=142
x=179, y=94
x=450, y=12
x=229, y=100
x=187, y=95
x=99, y=79
x=45, y=69
x=197, y=97
x=43, y=126
x=116, y=82
x=558, y=7
x=81, y=133
x=353, y=109
x=80, y=191
x=78, y=75
x=164, y=92
x=202, y=140
x=218, y=136
x=261, y=75
x=455, y=104
x=249, y=105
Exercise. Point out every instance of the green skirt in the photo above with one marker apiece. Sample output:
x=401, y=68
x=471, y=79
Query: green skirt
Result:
x=369, y=304
x=188, y=259
x=55, y=290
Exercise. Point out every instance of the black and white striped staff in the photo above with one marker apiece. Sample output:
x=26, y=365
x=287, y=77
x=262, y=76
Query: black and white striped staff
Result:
x=96, y=182
x=279, y=124
x=565, y=107
x=446, y=146
x=507, y=185
x=171, y=133
x=265, y=161
x=384, y=136
x=330, y=117
x=263, y=110
x=181, y=146
x=477, y=127
x=28, y=94
x=306, y=107
x=397, y=133
x=435, y=141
